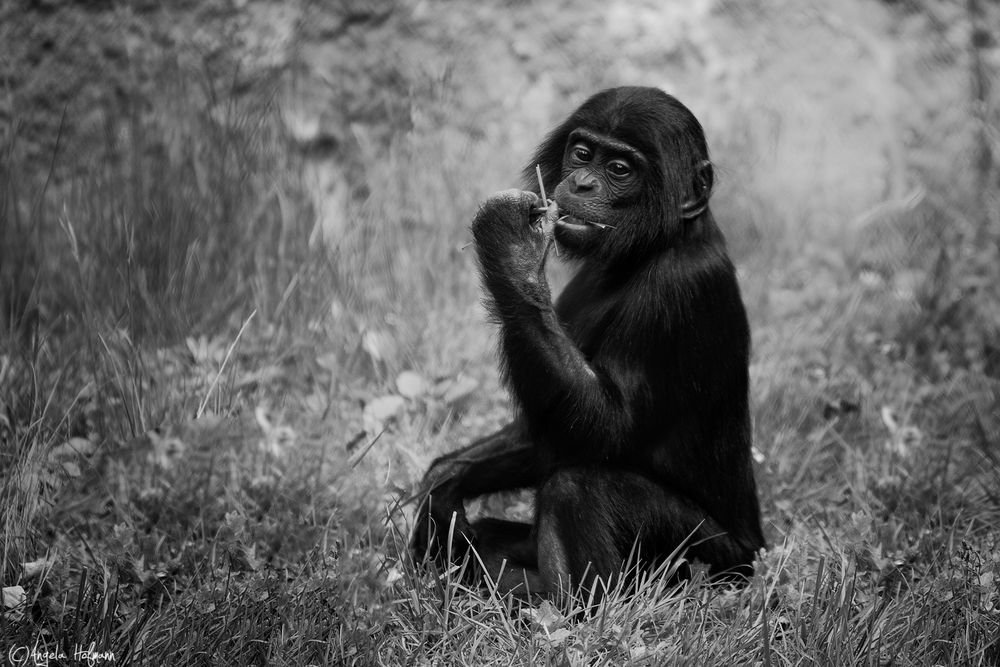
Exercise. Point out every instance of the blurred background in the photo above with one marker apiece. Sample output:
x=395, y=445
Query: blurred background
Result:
x=215, y=145
x=255, y=212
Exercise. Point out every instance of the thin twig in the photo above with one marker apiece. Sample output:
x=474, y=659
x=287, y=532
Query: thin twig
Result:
x=545, y=209
x=541, y=184
x=229, y=353
x=356, y=459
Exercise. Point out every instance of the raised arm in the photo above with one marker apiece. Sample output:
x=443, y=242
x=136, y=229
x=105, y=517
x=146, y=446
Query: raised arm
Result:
x=563, y=396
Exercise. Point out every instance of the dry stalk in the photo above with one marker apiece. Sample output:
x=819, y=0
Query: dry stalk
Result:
x=550, y=211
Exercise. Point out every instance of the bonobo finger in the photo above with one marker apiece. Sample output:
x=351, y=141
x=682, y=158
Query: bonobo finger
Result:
x=514, y=207
x=442, y=471
x=433, y=525
x=513, y=196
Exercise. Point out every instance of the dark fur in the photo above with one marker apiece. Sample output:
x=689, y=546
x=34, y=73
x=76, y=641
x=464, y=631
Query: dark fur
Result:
x=631, y=389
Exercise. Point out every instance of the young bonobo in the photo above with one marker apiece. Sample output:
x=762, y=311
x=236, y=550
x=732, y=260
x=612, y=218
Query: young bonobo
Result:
x=631, y=388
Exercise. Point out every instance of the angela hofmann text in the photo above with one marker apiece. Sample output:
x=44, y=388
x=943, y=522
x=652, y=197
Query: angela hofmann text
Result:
x=34, y=656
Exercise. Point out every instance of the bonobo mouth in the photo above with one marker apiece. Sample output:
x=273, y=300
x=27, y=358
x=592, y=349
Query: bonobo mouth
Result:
x=573, y=222
x=578, y=234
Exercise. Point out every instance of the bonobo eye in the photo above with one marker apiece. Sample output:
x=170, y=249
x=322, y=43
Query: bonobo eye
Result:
x=619, y=168
x=581, y=153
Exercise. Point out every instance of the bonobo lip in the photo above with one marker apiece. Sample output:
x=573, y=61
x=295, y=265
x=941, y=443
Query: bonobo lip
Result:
x=573, y=222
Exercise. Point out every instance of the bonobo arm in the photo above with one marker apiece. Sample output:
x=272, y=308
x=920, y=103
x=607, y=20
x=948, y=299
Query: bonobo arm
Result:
x=498, y=462
x=562, y=395
x=504, y=460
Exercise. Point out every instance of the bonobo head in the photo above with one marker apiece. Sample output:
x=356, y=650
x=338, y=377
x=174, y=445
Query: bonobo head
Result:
x=629, y=170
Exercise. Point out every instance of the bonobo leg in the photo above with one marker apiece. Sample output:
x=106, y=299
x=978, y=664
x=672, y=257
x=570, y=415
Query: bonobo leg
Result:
x=509, y=555
x=591, y=520
x=499, y=462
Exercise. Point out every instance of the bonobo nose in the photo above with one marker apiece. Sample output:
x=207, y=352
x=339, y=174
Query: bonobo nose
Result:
x=582, y=182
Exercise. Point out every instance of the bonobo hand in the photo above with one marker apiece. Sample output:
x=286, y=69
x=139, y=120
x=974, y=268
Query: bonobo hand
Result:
x=433, y=524
x=510, y=241
x=444, y=471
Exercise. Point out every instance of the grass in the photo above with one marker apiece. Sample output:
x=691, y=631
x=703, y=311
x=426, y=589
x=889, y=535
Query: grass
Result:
x=189, y=476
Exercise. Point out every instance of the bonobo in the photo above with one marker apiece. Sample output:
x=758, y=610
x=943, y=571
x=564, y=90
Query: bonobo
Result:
x=631, y=389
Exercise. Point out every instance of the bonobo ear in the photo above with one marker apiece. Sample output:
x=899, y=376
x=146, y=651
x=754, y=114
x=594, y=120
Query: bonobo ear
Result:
x=704, y=178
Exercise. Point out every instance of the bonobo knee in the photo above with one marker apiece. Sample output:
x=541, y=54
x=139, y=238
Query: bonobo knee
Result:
x=568, y=485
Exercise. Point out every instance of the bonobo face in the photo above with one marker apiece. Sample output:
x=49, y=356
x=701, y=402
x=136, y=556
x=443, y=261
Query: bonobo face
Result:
x=600, y=176
x=630, y=172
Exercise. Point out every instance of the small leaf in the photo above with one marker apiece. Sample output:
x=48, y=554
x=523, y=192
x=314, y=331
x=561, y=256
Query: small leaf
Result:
x=889, y=419
x=411, y=384
x=74, y=447
x=385, y=407
x=13, y=596
x=14, y=599
x=240, y=557
x=378, y=344
x=548, y=615
x=458, y=389
x=129, y=569
x=328, y=362
x=262, y=377
x=33, y=568
x=381, y=410
x=556, y=638
x=165, y=449
x=545, y=616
